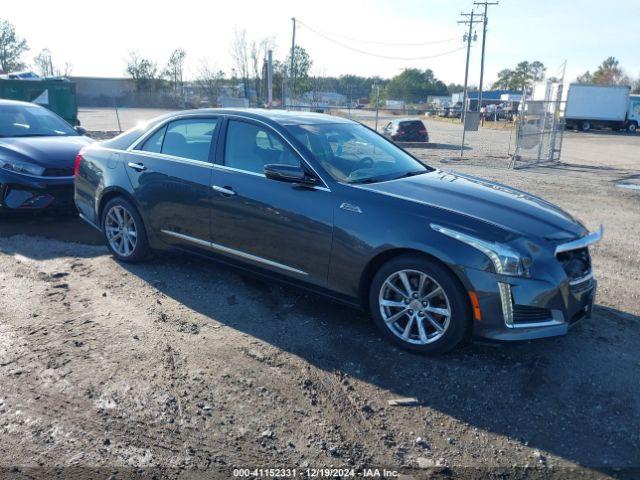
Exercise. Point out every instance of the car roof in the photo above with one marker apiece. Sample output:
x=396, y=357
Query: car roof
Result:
x=403, y=120
x=18, y=103
x=282, y=117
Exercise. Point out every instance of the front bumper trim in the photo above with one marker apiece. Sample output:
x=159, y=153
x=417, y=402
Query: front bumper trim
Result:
x=506, y=300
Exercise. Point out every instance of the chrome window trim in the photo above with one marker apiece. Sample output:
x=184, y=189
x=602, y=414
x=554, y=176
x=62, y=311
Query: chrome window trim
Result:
x=187, y=116
x=262, y=175
x=232, y=251
x=164, y=156
x=278, y=134
x=585, y=241
x=133, y=147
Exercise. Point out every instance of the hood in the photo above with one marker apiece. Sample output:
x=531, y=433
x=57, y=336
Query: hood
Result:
x=506, y=207
x=48, y=152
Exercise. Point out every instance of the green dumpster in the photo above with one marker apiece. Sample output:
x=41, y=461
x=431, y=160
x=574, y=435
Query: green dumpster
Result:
x=59, y=96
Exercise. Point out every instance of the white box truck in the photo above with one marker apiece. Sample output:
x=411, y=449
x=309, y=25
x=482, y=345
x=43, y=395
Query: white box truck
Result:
x=601, y=106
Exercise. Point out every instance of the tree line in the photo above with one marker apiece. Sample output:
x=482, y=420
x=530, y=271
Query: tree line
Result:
x=248, y=73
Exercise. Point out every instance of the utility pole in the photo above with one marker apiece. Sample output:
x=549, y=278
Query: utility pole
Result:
x=293, y=51
x=269, y=78
x=377, y=87
x=484, y=39
x=468, y=38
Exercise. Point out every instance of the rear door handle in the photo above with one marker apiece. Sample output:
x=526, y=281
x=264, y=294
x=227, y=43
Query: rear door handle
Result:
x=224, y=190
x=137, y=166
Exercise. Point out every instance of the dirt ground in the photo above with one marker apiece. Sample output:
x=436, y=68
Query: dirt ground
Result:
x=181, y=368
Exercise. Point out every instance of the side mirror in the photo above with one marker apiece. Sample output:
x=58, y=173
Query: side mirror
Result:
x=288, y=173
x=80, y=130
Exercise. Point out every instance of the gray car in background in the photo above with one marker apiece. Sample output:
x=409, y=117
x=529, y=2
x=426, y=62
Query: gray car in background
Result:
x=329, y=205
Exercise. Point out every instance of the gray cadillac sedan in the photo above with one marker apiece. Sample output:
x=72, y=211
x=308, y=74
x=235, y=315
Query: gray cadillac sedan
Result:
x=329, y=205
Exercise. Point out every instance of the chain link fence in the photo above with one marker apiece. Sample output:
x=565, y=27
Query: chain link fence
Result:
x=540, y=130
x=493, y=142
x=526, y=140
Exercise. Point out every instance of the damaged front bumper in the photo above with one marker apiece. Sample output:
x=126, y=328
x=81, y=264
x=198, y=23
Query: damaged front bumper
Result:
x=19, y=192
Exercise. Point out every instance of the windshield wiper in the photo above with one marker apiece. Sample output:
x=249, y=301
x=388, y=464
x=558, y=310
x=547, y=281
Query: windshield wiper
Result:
x=37, y=135
x=412, y=173
x=366, y=180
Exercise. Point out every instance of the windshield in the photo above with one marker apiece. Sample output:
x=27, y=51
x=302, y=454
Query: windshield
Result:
x=31, y=121
x=352, y=153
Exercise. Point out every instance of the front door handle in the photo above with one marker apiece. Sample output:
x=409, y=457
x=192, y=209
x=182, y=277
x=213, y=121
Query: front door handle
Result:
x=224, y=190
x=137, y=166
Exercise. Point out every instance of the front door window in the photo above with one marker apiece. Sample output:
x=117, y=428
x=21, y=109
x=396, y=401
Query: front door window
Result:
x=250, y=147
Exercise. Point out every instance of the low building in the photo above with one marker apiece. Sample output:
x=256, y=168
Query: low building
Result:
x=395, y=104
x=102, y=91
x=488, y=96
x=325, y=98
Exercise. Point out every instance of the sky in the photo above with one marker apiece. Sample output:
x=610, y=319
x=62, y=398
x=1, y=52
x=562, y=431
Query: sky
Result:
x=95, y=39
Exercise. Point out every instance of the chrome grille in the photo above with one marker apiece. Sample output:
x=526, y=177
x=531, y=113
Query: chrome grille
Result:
x=528, y=314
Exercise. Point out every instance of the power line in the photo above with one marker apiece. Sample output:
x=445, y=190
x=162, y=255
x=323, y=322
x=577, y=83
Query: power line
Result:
x=363, y=52
x=388, y=44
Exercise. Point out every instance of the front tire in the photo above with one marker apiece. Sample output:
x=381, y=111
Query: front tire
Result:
x=585, y=126
x=419, y=305
x=124, y=231
x=632, y=127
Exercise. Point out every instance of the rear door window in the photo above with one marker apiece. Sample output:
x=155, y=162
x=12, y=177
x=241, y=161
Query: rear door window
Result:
x=189, y=138
x=154, y=142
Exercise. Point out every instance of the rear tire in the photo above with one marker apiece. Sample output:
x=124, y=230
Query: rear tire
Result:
x=430, y=320
x=124, y=231
x=585, y=126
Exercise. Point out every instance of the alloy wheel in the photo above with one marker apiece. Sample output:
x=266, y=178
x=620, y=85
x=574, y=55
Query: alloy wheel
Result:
x=414, y=307
x=121, y=231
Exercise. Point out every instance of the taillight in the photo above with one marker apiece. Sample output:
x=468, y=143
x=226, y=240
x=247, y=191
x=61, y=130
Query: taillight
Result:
x=76, y=165
x=424, y=130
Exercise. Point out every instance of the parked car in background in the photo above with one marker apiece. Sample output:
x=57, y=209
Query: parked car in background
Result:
x=37, y=153
x=406, y=130
x=330, y=205
x=454, y=111
x=27, y=75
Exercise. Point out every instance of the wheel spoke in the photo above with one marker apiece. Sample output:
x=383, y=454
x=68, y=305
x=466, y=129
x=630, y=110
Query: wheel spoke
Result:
x=433, y=293
x=405, y=283
x=435, y=324
x=120, y=246
x=111, y=216
x=421, y=331
x=440, y=311
x=396, y=317
x=423, y=279
x=407, y=329
x=118, y=215
x=395, y=289
x=392, y=303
